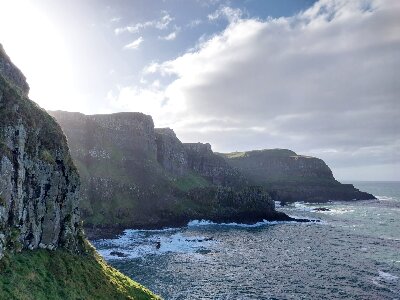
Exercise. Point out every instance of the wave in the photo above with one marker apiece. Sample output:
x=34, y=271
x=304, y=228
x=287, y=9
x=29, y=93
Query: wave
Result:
x=138, y=245
x=385, y=198
x=197, y=223
x=387, y=276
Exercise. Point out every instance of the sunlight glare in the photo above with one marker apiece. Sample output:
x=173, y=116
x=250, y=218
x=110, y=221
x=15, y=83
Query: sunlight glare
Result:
x=38, y=48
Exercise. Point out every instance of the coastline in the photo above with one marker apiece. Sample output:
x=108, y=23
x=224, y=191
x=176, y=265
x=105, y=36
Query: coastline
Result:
x=109, y=232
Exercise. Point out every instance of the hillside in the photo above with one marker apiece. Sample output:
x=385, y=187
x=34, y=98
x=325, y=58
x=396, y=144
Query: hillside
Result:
x=134, y=175
x=43, y=251
x=292, y=177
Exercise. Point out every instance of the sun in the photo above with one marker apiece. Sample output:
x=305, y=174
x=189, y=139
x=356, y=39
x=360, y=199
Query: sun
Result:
x=37, y=46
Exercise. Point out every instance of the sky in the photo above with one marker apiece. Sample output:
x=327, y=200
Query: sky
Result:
x=321, y=78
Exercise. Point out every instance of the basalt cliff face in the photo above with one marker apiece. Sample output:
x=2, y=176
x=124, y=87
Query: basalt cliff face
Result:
x=291, y=177
x=39, y=193
x=134, y=175
x=38, y=182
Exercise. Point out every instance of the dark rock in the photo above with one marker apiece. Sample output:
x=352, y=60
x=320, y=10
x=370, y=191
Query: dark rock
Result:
x=290, y=177
x=136, y=176
x=171, y=153
x=39, y=183
x=203, y=161
x=119, y=254
x=321, y=209
x=12, y=74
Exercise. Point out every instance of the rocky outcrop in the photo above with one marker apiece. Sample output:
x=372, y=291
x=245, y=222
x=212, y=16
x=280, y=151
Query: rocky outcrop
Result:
x=136, y=176
x=39, y=183
x=292, y=177
x=171, y=153
x=12, y=74
x=98, y=135
x=202, y=160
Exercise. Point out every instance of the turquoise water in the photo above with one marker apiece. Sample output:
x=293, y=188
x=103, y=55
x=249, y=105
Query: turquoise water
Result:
x=353, y=253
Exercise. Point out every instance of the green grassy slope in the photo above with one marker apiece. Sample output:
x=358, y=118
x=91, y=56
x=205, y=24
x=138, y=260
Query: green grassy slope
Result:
x=44, y=274
x=292, y=177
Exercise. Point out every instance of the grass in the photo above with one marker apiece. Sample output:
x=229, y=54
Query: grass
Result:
x=44, y=274
x=264, y=152
x=234, y=154
x=190, y=181
x=47, y=157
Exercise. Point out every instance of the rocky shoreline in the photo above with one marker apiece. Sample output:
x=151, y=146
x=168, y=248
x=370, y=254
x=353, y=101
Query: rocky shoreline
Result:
x=110, y=232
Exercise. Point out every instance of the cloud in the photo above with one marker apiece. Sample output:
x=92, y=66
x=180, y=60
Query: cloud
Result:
x=231, y=14
x=115, y=20
x=135, y=44
x=160, y=24
x=324, y=82
x=194, y=23
x=150, y=100
x=169, y=37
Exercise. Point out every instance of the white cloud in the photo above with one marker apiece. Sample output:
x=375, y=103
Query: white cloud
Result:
x=135, y=44
x=150, y=100
x=160, y=24
x=194, y=23
x=169, y=37
x=325, y=82
x=115, y=20
x=229, y=13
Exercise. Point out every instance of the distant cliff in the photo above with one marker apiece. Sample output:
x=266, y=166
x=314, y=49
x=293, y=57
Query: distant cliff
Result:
x=134, y=175
x=292, y=177
x=39, y=195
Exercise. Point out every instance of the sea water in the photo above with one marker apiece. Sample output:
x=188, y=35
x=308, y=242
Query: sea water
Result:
x=352, y=253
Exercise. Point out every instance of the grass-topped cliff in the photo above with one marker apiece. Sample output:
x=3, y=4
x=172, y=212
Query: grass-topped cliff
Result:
x=43, y=250
x=292, y=177
x=137, y=176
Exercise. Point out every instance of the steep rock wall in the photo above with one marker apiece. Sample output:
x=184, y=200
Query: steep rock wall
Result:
x=171, y=153
x=292, y=177
x=116, y=156
x=12, y=74
x=136, y=176
x=39, y=184
x=202, y=160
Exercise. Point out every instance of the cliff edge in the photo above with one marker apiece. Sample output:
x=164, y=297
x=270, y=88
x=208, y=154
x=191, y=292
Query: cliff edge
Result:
x=137, y=176
x=291, y=177
x=39, y=183
x=43, y=251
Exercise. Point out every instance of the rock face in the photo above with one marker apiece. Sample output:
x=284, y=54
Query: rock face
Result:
x=292, y=177
x=171, y=153
x=136, y=176
x=202, y=160
x=38, y=181
x=12, y=74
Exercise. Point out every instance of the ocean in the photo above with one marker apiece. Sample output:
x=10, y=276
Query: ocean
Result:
x=352, y=252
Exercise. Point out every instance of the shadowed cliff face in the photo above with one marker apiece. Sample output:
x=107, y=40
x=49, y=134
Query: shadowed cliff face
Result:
x=136, y=176
x=38, y=182
x=292, y=177
x=171, y=153
x=12, y=74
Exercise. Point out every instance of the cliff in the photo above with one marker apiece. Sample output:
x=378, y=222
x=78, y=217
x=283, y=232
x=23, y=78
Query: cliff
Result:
x=134, y=175
x=292, y=177
x=39, y=184
x=205, y=162
x=43, y=251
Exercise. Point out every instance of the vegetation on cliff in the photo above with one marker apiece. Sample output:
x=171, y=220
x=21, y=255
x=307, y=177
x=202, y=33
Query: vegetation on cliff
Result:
x=44, y=274
x=292, y=177
x=43, y=251
x=135, y=175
